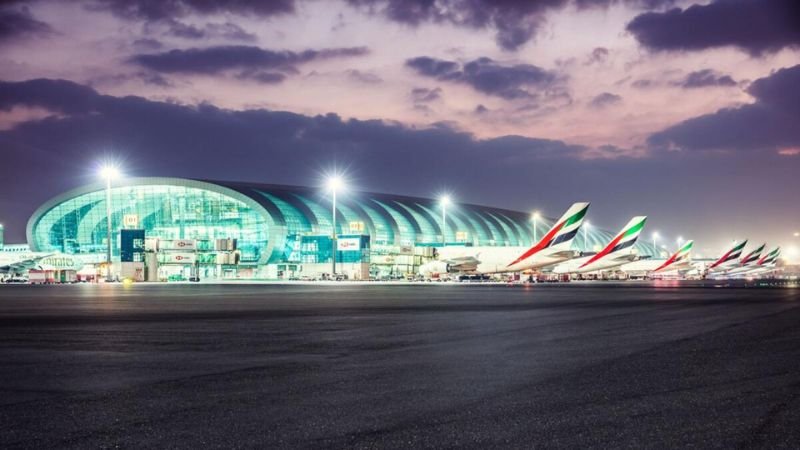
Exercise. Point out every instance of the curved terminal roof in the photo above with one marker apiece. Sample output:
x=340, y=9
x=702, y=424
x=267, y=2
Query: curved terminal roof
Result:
x=390, y=220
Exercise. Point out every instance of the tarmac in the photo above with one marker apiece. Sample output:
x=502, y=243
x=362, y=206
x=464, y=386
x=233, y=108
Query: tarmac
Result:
x=305, y=365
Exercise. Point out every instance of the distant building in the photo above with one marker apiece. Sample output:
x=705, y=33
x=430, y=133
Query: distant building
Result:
x=278, y=231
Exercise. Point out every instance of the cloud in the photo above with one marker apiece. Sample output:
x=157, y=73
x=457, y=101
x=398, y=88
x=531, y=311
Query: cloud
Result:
x=487, y=76
x=705, y=78
x=259, y=64
x=147, y=44
x=605, y=99
x=598, y=56
x=363, y=77
x=17, y=23
x=644, y=83
x=754, y=26
x=227, y=30
x=770, y=123
x=515, y=22
x=425, y=95
x=262, y=76
x=149, y=78
x=153, y=10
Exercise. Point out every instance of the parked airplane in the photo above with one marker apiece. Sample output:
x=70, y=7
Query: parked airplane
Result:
x=680, y=260
x=18, y=263
x=553, y=248
x=729, y=259
x=618, y=252
x=764, y=265
x=748, y=262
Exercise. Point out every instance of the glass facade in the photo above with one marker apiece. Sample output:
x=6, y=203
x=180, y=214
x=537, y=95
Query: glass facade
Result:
x=78, y=225
x=276, y=224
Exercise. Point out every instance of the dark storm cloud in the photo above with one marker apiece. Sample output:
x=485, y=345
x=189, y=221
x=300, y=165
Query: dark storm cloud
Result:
x=514, y=21
x=487, y=76
x=705, y=78
x=768, y=124
x=755, y=26
x=154, y=10
x=247, y=59
x=605, y=99
x=17, y=22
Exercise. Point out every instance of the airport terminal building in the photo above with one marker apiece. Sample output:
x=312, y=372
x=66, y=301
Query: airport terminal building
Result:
x=180, y=228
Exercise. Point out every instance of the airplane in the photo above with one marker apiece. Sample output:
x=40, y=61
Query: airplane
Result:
x=618, y=251
x=728, y=260
x=553, y=248
x=764, y=265
x=18, y=263
x=747, y=262
x=680, y=260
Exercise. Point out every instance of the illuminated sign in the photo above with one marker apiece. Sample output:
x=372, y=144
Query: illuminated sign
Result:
x=130, y=221
x=348, y=244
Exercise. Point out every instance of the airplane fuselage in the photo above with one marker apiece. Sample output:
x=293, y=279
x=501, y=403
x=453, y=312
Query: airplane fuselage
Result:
x=489, y=260
x=579, y=265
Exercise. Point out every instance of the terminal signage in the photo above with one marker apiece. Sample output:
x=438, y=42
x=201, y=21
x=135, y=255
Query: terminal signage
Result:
x=179, y=244
x=130, y=221
x=177, y=258
x=348, y=244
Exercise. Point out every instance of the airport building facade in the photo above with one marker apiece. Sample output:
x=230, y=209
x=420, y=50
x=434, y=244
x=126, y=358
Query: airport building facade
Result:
x=180, y=228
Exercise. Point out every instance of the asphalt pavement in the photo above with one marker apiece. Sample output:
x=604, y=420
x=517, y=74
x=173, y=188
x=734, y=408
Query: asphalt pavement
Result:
x=644, y=365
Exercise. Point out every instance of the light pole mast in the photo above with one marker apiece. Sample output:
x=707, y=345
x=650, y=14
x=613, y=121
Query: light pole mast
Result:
x=108, y=172
x=586, y=236
x=333, y=214
x=535, y=218
x=334, y=184
x=445, y=201
x=655, y=248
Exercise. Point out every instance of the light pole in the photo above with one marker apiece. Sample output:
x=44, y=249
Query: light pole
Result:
x=535, y=218
x=445, y=202
x=108, y=172
x=586, y=227
x=334, y=184
x=680, y=242
x=655, y=247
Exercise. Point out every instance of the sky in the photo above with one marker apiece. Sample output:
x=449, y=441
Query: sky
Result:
x=688, y=112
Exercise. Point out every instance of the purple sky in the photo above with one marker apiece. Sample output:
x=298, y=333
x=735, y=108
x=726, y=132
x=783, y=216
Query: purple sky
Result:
x=686, y=112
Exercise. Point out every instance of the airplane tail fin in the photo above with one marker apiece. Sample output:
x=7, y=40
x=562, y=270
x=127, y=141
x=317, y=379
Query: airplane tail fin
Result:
x=734, y=252
x=683, y=254
x=770, y=258
x=625, y=239
x=753, y=256
x=562, y=233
